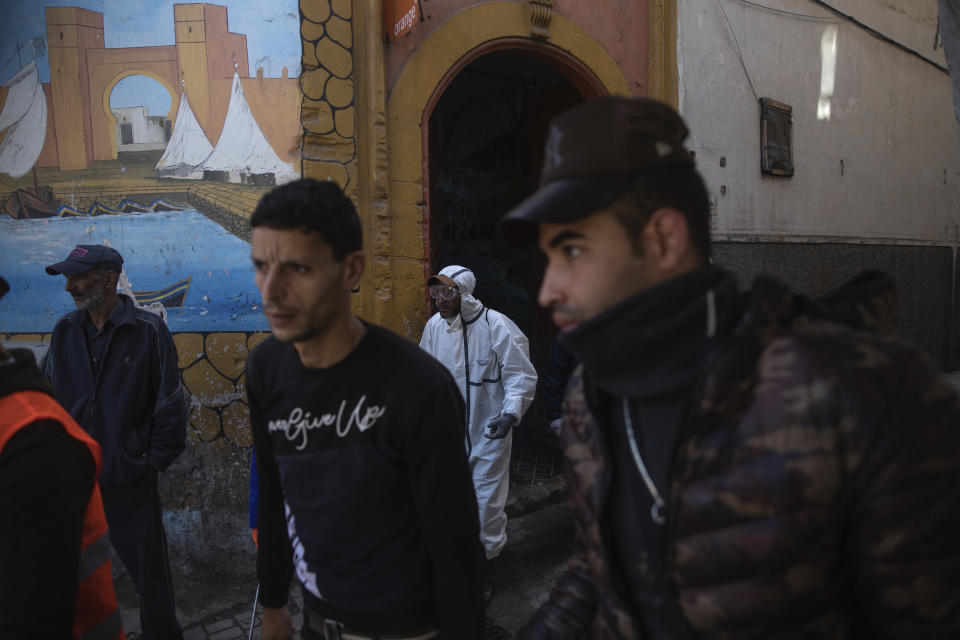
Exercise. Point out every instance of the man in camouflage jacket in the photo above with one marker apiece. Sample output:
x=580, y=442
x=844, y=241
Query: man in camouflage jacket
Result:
x=740, y=466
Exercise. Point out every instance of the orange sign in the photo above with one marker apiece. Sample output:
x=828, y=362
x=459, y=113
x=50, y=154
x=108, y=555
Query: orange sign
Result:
x=400, y=16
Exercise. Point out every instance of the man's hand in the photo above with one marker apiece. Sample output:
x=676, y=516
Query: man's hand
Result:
x=276, y=624
x=500, y=426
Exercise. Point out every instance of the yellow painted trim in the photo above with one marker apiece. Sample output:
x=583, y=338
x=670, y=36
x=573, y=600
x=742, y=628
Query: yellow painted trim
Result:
x=662, y=60
x=423, y=71
x=371, y=157
x=174, y=99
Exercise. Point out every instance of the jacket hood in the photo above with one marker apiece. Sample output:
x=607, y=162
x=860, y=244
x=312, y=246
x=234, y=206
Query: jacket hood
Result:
x=470, y=307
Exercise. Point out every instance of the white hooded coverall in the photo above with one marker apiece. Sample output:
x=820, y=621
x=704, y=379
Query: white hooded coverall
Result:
x=487, y=349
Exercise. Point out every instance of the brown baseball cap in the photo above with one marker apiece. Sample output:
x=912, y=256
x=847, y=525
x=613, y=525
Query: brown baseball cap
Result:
x=441, y=279
x=593, y=154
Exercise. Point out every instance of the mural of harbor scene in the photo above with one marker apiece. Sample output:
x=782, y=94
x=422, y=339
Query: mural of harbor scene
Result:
x=201, y=276
x=146, y=131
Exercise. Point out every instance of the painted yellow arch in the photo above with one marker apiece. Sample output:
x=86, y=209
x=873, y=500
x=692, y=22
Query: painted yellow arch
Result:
x=424, y=70
x=112, y=120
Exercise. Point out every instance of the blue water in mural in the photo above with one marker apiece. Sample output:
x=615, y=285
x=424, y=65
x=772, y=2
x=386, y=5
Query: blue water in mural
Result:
x=159, y=249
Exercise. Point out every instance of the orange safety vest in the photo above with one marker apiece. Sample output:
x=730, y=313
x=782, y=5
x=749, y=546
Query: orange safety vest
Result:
x=97, y=616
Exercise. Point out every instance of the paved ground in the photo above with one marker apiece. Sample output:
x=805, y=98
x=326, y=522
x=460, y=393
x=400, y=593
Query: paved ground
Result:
x=539, y=546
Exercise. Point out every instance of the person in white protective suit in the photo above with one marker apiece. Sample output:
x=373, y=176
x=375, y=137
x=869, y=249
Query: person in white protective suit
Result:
x=489, y=357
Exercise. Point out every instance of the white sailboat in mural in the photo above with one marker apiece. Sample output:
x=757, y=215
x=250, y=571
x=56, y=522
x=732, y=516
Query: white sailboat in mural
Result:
x=188, y=146
x=24, y=122
x=242, y=151
x=24, y=118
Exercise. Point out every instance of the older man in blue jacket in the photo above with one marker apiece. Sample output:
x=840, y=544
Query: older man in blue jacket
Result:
x=114, y=369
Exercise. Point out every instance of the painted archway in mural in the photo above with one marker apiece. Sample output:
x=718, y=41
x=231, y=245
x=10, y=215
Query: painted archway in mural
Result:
x=456, y=43
x=111, y=119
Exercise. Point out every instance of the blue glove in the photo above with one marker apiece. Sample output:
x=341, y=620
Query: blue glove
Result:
x=500, y=426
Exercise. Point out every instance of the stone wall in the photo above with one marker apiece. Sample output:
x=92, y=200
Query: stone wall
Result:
x=327, y=111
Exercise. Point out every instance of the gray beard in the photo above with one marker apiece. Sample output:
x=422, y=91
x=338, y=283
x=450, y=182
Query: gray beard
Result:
x=93, y=300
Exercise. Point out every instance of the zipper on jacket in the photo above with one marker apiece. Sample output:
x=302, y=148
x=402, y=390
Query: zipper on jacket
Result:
x=466, y=383
x=466, y=364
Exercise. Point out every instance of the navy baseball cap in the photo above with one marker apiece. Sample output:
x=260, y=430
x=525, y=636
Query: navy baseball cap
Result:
x=85, y=257
x=593, y=155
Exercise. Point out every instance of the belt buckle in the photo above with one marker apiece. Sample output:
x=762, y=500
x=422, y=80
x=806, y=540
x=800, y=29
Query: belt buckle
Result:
x=332, y=630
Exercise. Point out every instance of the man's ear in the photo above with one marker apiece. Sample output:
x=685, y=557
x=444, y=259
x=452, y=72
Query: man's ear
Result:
x=353, y=267
x=666, y=243
x=113, y=277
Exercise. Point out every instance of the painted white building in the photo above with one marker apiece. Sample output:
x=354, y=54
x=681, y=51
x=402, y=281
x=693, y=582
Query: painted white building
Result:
x=137, y=130
x=875, y=146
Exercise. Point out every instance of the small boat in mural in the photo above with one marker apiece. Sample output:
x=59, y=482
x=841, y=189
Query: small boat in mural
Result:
x=126, y=206
x=170, y=297
x=23, y=204
x=24, y=119
x=163, y=205
x=188, y=146
x=242, y=153
x=129, y=206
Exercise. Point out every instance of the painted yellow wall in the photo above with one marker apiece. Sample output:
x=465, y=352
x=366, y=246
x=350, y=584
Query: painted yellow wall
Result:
x=71, y=32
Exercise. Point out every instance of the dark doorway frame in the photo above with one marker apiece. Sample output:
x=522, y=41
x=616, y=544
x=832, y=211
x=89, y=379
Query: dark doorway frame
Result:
x=576, y=73
x=588, y=86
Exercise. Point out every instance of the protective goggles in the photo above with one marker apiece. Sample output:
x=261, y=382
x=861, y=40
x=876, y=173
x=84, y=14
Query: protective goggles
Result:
x=443, y=292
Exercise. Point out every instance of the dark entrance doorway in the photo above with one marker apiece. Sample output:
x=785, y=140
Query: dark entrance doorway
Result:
x=486, y=137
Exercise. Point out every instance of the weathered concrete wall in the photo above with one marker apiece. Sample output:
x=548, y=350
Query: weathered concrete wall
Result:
x=882, y=162
x=874, y=138
x=206, y=491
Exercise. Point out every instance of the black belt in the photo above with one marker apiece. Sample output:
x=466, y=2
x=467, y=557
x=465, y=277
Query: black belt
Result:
x=334, y=630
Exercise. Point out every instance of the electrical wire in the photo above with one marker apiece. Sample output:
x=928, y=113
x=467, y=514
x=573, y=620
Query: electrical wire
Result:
x=739, y=54
x=841, y=17
x=784, y=12
x=879, y=35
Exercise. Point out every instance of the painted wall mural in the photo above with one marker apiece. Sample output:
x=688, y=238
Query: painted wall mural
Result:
x=139, y=125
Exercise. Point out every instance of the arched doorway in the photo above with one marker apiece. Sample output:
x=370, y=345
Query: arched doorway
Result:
x=140, y=106
x=485, y=136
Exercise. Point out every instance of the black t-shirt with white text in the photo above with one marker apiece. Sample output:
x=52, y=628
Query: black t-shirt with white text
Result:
x=364, y=479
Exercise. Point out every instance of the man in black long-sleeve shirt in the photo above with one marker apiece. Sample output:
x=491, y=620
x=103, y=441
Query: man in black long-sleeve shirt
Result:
x=364, y=486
